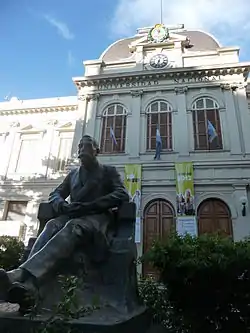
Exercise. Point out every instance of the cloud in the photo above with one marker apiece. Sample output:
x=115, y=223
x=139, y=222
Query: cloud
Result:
x=61, y=27
x=228, y=20
x=71, y=58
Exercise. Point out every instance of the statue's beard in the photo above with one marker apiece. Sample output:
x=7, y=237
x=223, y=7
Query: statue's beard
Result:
x=87, y=159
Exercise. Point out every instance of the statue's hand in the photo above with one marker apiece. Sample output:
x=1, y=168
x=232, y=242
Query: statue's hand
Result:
x=63, y=207
x=76, y=209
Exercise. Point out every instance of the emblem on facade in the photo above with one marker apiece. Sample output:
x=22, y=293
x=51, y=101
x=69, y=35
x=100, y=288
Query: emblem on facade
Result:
x=158, y=34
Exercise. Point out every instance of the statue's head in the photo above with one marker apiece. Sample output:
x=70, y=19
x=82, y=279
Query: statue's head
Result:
x=88, y=149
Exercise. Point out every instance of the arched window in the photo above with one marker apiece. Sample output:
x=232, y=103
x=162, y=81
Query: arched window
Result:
x=159, y=115
x=206, y=123
x=114, y=129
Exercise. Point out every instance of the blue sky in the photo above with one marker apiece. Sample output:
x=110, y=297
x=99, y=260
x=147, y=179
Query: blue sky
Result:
x=43, y=43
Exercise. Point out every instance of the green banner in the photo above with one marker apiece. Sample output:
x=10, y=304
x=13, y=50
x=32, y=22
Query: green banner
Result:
x=185, y=189
x=132, y=182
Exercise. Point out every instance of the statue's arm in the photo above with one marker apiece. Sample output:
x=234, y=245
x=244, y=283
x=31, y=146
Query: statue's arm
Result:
x=58, y=196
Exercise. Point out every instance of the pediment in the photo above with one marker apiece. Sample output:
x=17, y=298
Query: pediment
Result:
x=65, y=125
x=27, y=128
x=31, y=129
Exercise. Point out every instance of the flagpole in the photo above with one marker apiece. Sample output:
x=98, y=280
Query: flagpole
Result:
x=161, y=10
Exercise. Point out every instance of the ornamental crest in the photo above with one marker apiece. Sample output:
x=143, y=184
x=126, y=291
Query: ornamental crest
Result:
x=158, y=34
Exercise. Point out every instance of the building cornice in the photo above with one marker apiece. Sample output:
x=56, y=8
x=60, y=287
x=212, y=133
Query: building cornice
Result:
x=20, y=111
x=173, y=73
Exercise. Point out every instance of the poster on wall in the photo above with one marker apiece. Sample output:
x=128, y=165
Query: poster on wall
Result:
x=185, y=202
x=132, y=181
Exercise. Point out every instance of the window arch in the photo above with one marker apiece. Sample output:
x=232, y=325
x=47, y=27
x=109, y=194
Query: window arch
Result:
x=205, y=112
x=114, y=120
x=159, y=115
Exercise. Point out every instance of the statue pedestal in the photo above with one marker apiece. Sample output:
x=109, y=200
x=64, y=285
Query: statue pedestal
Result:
x=111, y=286
x=100, y=321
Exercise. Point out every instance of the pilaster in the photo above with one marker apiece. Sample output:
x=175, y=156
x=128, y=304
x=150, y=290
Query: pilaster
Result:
x=134, y=125
x=241, y=226
x=91, y=114
x=232, y=129
x=12, y=156
x=180, y=123
x=244, y=117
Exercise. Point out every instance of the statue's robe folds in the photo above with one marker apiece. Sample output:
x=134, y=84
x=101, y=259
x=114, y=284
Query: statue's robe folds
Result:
x=98, y=191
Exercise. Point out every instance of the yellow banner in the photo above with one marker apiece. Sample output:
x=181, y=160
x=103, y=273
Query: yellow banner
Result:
x=185, y=189
x=132, y=181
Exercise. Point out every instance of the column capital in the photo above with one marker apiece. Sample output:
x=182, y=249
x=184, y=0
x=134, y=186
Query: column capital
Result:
x=180, y=90
x=226, y=86
x=232, y=86
x=93, y=97
x=15, y=124
x=52, y=122
x=83, y=98
x=136, y=93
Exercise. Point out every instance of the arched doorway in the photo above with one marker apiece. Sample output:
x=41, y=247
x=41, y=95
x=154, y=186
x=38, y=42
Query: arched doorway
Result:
x=214, y=216
x=159, y=220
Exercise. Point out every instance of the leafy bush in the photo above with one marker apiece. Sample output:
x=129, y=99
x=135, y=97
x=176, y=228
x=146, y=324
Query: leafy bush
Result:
x=11, y=251
x=154, y=296
x=207, y=281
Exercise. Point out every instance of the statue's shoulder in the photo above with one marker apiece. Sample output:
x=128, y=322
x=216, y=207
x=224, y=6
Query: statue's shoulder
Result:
x=73, y=171
x=108, y=169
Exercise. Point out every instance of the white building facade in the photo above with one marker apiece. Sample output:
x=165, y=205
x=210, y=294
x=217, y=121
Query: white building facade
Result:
x=37, y=137
x=173, y=79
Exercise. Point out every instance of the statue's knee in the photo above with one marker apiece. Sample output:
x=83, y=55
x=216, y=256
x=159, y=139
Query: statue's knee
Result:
x=52, y=226
x=74, y=227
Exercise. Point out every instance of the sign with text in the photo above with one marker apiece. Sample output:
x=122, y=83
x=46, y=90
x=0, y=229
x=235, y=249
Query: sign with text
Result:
x=140, y=83
x=186, y=225
x=132, y=182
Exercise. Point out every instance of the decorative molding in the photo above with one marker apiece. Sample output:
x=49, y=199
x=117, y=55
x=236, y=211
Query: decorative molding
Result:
x=151, y=75
x=38, y=109
x=136, y=93
x=180, y=90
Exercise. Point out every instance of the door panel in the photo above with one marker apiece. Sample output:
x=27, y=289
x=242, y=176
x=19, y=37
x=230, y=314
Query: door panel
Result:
x=159, y=219
x=214, y=217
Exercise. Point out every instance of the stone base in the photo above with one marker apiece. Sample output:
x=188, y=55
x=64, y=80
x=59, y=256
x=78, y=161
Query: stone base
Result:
x=103, y=321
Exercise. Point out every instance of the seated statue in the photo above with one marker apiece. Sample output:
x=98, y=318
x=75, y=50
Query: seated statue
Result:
x=94, y=189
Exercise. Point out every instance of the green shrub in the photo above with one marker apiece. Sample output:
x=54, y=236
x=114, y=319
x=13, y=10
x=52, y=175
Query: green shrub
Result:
x=154, y=296
x=11, y=251
x=207, y=281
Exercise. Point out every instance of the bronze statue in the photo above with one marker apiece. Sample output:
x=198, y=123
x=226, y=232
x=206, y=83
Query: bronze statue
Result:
x=93, y=189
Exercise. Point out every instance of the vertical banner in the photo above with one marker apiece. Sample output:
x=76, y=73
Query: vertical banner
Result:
x=132, y=181
x=185, y=207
